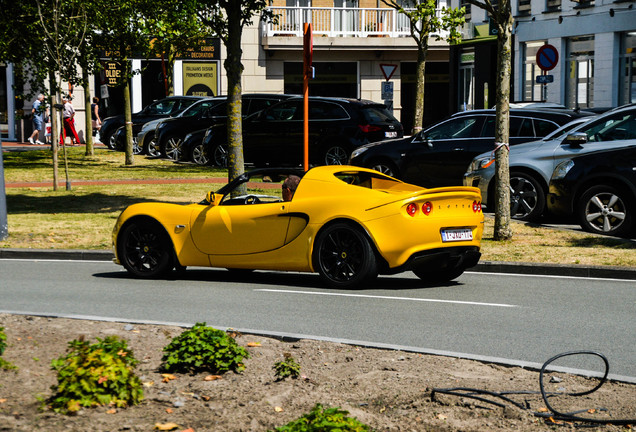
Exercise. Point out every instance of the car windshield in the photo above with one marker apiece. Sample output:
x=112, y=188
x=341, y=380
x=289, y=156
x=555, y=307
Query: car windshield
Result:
x=454, y=128
x=620, y=126
x=162, y=107
x=377, y=114
x=563, y=130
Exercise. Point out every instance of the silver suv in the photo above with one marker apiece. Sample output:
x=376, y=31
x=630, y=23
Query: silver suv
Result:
x=532, y=164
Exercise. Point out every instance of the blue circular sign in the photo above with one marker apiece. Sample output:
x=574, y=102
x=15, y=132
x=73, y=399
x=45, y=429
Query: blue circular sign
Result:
x=547, y=57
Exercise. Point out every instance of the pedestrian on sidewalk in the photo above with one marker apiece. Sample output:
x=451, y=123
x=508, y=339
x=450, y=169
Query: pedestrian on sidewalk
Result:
x=95, y=119
x=68, y=112
x=37, y=118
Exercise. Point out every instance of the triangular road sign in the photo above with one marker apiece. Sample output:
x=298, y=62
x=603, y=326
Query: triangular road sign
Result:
x=388, y=70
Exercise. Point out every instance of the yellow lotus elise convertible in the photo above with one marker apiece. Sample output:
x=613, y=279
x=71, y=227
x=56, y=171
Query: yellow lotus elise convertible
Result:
x=347, y=223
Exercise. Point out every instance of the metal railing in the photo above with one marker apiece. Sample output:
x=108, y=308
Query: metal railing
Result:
x=339, y=22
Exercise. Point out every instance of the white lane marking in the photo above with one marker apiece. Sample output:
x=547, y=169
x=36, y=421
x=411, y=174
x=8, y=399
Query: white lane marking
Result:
x=588, y=278
x=389, y=298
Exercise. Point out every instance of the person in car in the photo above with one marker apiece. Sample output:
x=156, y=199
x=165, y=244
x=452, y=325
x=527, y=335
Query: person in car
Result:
x=289, y=187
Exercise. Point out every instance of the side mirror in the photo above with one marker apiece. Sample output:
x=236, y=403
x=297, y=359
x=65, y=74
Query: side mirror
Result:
x=211, y=198
x=576, y=139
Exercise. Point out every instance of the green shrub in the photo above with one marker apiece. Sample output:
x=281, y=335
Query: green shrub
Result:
x=201, y=349
x=93, y=375
x=287, y=368
x=3, y=345
x=321, y=419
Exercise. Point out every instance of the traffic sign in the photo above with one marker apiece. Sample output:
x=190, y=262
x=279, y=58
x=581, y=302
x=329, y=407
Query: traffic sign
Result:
x=388, y=70
x=547, y=57
x=545, y=79
x=387, y=90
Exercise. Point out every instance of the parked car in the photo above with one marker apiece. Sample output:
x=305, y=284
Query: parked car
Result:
x=119, y=138
x=169, y=133
x=162, y=108
x=347, y=223
x=440, y=154
x=336, y=126
x=146, y=138
x=531, y=164
x=599, y=189
x=193, y=148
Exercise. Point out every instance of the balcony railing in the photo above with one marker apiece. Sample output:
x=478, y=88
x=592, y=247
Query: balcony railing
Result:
x=339, y=22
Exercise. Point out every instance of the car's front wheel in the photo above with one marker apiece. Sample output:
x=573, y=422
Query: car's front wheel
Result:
x=145, y=249
x=219, y=156
x=385, y=167
x=606, y=210
x=198, y=155
x=344, y=257
x=336, y=155
x=172, y=148
x=527, y=198
x=152, y=149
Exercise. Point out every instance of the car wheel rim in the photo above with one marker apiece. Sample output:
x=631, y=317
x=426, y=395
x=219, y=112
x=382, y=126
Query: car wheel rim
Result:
x=523, y=197
x=173, y=148
x=144, y=250
x=112, y=142
x=220, y=156
x=336, y=156
x=605, y=212
x=383, y=169
x=198, y=155
x=341, y=255
x=136, y=149
x=152, y=148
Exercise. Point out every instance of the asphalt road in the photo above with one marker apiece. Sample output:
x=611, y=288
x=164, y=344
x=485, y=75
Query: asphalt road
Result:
x=506, y=318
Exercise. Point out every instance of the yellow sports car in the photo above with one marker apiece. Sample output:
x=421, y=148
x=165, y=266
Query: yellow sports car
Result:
x=347, y=223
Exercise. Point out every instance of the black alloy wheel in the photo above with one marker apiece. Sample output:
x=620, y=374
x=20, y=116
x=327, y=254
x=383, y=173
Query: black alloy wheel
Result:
x=145, y=249
x=605, y=210
x=527, y=198
x=385, y=167
x=198, y=155
x=220, y=156
x=152, y=148
x=336, y=155
x=344, y=257
x=172, y=149
x=111, y=142
x=137, y=150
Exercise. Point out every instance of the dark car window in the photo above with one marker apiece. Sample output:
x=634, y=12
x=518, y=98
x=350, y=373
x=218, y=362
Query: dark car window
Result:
x=282, y=111
x=454, y=128
x=377, y=114
x=260, y=104
x=219, y=110
x=200, y=108
x=326, y=111
x=620, y=126
x=163, y=107
x=544, y=127
x=524, y=127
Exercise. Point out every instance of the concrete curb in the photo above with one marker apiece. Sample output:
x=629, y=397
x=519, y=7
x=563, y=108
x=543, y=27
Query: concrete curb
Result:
x=539, y=269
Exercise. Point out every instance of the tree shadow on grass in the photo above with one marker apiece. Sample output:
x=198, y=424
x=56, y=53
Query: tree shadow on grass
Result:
x=609, y=242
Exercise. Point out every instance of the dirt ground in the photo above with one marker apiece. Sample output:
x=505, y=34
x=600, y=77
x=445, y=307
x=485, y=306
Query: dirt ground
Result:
x=387, y=390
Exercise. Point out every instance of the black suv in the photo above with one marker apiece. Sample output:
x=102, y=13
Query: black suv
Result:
x=170, y=133
x=162, y=108
x=336, y=126
x=440, y=154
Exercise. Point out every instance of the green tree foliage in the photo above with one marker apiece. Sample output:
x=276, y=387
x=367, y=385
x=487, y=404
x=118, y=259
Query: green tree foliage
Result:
x=201, y=349
x=94, y=375
x=321, y=419
x=425, y=23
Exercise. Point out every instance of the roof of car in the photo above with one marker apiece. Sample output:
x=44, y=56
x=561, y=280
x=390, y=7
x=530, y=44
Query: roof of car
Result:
x=533, y=112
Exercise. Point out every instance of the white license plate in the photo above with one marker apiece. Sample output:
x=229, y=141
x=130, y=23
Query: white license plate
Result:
x=452, y=235
x=390, y=134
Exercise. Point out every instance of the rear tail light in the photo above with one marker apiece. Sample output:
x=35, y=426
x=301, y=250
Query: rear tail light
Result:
x=477, y=206
x=369, y=128
x=411, y=209
x=427, y=208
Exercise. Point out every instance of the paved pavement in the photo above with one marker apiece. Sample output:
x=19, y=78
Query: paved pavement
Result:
x=567, y=270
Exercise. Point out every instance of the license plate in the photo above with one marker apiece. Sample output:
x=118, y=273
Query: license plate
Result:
x=390, y=134
x=453, y=235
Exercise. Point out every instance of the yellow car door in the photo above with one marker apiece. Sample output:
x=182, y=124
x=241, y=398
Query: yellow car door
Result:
x=240, y=229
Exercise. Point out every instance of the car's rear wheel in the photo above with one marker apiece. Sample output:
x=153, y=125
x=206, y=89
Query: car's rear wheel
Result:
x=605, y=210
x=344, y=257
x=336, y=155
x=136, y=148
x=439, y=276
x=172, y=148
x=385, y=167
x=198, y=155
x=219, y=156
x=152, y=149
x=527, y=198
x=111, y=142
x=145, y=249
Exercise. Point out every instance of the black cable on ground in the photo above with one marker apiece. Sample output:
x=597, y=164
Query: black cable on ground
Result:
x=479, y=394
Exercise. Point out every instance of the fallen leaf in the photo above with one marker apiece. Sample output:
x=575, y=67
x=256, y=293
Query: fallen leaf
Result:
x=442, y=417
x=591, y=411
x=148, y=383
x=206, y=398
x=169, y=410
x=382, y=410
x=111, y=411
x=166, y=426
x=2, y=401
x=278, y=409
x=543, y=409
x=102, y=379
x=168, y=377
x=122, y=353
x=188, y=430
x=253, y=344
x=554, y=421
x=212, y=377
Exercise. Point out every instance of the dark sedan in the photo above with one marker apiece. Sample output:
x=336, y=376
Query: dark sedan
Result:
x=170, y=133
x=162, y=108
x=336, y=126
x=440, y=155
x=599, y=189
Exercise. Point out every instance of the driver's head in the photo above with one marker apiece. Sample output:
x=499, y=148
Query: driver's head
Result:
x=289, y=187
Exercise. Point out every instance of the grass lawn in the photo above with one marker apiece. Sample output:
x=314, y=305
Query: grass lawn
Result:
x=83, y=218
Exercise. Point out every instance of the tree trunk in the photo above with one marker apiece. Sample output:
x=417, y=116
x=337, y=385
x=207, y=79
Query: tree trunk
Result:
x=128, y=119
x=422, y=52
x=89, y=114
x=502, y=230
x=234, y=70
x=56, y=119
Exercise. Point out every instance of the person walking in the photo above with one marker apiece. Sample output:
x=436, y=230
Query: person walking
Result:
x=37, y=118
x=95, y=119
x=68, y=113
